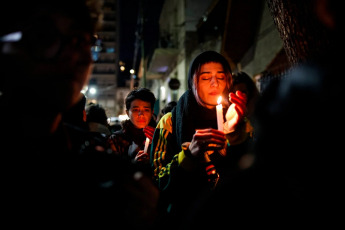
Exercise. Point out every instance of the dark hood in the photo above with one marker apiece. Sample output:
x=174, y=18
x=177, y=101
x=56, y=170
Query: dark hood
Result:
x=205, y=57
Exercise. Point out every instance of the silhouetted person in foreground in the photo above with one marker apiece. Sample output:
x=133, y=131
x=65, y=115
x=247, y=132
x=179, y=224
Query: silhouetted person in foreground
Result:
x=299, y=139
x=46, y=60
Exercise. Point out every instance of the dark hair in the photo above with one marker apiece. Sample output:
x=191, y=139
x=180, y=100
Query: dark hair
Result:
x=253, y=93
x=96, y=113
x=168, y=107
x=242, y=77
x=16, y=17
x=143, y=94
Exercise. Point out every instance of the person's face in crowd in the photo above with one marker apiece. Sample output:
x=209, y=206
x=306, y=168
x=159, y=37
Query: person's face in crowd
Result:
x=211, y=83
x=140, y=113
x=56, y=57
x=73, y=55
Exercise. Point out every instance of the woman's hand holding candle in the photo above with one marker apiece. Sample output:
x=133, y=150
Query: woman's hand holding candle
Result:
x=206, y=140
x=236, y=111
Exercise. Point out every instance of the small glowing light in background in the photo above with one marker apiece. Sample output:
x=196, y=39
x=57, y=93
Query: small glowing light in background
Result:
x=163, y=92
x=110, y=50
x=132, y=71
x=122, y=68
x=93, y=90
x=96, y=47
x=123, y=117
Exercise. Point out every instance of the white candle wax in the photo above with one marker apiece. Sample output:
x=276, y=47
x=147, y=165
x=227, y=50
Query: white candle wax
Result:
x=220, y=120
x=147, y=142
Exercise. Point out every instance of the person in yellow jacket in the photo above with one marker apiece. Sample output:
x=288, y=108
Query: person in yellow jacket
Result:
x=189, y=155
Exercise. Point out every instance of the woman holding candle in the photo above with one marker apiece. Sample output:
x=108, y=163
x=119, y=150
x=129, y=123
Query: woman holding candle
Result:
x=189, y=154
x=137, y=131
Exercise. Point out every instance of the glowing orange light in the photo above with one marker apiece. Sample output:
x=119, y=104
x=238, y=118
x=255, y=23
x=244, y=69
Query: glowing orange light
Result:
x=219, y=100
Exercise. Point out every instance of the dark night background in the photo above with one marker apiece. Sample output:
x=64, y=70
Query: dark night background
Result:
x=130, y=12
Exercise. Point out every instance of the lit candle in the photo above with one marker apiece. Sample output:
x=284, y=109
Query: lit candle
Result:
x=147, y=142
x=220, y=120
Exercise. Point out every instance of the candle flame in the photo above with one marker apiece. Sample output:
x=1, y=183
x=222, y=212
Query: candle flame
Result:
x=219, y=100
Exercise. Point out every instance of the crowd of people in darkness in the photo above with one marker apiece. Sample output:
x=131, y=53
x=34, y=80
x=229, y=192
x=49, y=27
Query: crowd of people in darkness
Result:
x=273, y=161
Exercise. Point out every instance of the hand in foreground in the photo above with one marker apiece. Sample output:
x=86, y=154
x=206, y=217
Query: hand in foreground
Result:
x=236, y=111
x=206, y=140
x=149, y=131
x=142, y=157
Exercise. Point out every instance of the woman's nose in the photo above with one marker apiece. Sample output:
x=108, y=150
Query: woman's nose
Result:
x=214, y=81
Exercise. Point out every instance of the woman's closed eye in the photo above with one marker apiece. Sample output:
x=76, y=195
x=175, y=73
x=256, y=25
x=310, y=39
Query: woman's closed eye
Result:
x=206, y=77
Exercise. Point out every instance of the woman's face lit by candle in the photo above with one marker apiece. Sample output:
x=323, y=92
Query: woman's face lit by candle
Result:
x=212, y=83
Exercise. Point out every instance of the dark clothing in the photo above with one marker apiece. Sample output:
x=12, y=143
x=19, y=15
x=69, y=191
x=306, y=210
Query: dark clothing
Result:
x=188, y=115
x=296, y=178
x=127, y=142
x=299, y=144
x=184, y=191
x=46, y=184
x=297, y=174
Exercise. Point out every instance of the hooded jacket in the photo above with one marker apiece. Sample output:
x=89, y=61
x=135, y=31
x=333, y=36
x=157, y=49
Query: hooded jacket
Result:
x=180, y=177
